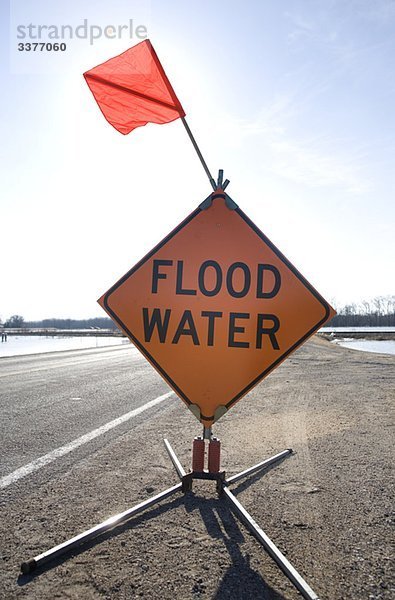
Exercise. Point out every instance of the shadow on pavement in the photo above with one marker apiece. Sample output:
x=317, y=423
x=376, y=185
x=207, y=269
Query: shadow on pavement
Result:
x=109, y=534
x=239, y=581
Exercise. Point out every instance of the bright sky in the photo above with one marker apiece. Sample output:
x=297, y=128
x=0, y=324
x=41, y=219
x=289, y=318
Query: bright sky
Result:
x=293, y=99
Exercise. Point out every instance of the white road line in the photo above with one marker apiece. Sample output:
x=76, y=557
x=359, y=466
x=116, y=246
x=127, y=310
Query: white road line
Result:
x=51, y=456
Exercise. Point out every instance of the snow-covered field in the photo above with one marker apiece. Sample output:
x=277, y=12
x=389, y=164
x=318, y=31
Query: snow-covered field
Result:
x=26, y=344
x=358, y=329
x=381, y=346
x=32, y=344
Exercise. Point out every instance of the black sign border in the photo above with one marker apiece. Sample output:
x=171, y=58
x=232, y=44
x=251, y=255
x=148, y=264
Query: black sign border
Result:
x=264, y=373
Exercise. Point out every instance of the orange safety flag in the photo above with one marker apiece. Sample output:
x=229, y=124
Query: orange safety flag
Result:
x=132, y=89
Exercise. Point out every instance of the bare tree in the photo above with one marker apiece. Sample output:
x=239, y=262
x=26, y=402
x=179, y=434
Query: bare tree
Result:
x=15, y=321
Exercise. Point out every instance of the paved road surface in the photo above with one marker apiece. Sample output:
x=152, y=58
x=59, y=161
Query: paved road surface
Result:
x=75, y=417
x=49, y=400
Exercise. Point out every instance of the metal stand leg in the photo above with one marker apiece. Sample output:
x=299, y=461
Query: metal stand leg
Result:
x=245, y=517
x=32, y=564
x=262, y=465
x=186, y=478
x=270, y=548
x=173, y=457
x=184, y=486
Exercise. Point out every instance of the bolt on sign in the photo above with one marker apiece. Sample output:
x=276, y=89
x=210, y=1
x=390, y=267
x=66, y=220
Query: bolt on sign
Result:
x=215, y=307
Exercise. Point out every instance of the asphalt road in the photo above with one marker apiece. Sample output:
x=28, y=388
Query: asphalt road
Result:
x=79, y=444
x=50, y=400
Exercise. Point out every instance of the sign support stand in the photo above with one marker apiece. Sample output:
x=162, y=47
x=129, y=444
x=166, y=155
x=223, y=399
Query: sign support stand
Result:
x=185, y=485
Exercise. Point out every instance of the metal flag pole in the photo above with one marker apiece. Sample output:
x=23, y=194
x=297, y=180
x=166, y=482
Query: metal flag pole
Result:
x=194, y=144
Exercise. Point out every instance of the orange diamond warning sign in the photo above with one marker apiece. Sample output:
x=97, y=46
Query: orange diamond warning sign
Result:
x=215, y=307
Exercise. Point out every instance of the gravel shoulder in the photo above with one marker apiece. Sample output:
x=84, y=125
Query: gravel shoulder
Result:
x=327, y=507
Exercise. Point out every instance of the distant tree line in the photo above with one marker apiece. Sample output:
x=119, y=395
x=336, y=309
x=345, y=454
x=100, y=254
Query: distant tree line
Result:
x=17, y=321
x=378, y=312
x=98, y=322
